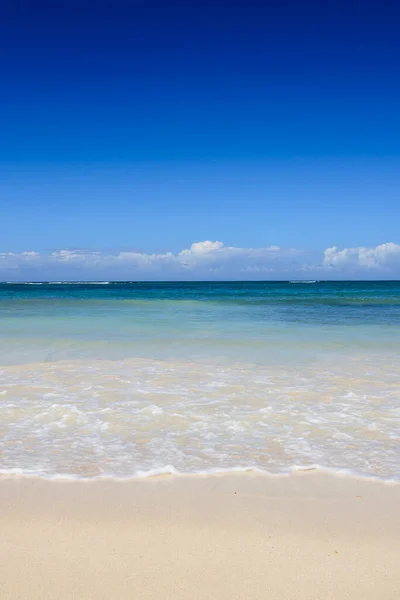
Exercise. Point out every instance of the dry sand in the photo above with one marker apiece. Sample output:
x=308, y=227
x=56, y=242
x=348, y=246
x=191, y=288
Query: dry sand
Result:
x=307, y=536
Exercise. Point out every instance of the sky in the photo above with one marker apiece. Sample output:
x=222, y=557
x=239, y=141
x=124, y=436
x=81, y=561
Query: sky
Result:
x=199, y=140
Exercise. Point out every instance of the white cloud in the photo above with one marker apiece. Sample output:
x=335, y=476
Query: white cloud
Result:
x=203, y=247
x=255, y=269
x=201, y=258
x=207, y=252
x=384, y=256
x=206, y=259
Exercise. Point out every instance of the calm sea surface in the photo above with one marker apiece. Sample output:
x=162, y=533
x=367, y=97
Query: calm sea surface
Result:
x=128, y=379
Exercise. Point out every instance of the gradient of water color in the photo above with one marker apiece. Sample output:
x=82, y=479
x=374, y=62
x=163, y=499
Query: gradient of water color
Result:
x=127, y=379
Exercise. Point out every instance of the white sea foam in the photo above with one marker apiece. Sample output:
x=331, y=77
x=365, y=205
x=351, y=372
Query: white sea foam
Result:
x=138, y=417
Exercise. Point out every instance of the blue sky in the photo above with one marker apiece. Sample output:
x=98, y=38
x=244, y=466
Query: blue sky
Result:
x=138, y=129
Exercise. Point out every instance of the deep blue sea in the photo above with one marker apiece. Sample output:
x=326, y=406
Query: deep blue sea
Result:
x=131, y=379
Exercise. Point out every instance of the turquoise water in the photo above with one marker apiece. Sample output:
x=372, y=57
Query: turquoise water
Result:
x=122, y=379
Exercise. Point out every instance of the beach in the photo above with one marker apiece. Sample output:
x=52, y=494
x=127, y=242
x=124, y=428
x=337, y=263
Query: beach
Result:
x=199, y=440
x=240, y=536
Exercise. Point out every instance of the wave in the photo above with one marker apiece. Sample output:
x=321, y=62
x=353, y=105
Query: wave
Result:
x=172, y=471
x=78, y=282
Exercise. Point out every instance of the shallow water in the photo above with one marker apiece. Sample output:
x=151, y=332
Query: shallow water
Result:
x=131, y=379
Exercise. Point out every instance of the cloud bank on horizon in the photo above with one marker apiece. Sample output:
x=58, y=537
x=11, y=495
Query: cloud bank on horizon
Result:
x=204, y=260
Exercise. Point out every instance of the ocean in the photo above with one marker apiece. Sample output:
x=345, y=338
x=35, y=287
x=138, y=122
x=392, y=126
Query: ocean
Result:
x=134, y=379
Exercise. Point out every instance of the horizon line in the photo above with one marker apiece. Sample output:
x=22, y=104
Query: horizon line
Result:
x=132, y=281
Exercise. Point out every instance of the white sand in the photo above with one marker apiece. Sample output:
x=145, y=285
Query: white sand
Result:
x=308, y=536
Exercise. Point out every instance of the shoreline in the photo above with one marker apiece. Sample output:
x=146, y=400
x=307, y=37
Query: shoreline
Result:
x=170, y=472
x=307, y=535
